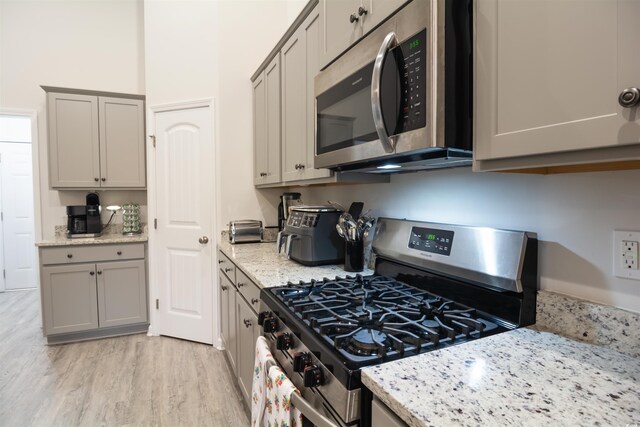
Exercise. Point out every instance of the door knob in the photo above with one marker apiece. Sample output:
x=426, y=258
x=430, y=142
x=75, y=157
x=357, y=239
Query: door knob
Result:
x=204, y=240
x=630, y=97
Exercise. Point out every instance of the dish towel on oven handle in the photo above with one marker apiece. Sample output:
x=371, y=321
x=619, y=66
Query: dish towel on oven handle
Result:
x=278, y=410
x=263, y=359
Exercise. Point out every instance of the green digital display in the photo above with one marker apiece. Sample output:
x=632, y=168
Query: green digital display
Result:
x=414, y=44
x=431, y=237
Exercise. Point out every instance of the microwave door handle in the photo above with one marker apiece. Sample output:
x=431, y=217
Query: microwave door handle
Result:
x=390, y=41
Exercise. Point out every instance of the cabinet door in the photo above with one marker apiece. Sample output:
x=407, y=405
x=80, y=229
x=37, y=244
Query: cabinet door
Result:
x=231, y=345
x=69, y=298
x=74, y=153
x=272, y=91
x=247, y=320
x=294, y=106
x=122, y=142
x=259, y=131
x=226, y=322
x=338, y=32
x=378, y=11
x=122, y=293
x=548, y=74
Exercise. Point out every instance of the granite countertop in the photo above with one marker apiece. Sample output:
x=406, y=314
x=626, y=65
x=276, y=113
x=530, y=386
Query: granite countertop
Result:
x=522, y=377
x=261, y=263
x=106, y=238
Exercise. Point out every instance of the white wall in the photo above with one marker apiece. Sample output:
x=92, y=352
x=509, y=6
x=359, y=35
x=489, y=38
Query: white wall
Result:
x=77, y=44
x=574, y=216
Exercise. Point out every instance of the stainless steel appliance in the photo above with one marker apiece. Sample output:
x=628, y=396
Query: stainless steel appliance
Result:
x=400, y=99
x=435, y=286
x=287, y=200
x=310, y=237
x=245, y=231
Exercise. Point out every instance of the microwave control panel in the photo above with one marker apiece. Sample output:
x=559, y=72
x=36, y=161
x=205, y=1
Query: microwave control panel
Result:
x=411, y=60
x=431, y=240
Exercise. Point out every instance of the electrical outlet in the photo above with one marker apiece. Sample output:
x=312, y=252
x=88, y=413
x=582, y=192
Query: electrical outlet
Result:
x=625, y=254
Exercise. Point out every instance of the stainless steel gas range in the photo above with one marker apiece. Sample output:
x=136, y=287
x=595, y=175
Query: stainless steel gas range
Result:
x=435, y=285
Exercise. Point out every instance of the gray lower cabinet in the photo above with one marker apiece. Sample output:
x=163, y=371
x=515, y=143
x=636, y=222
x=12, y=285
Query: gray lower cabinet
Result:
x=248, y=333
x=382, y=416
x=228, y=319
x=239, y=305
x=96, y=290
x=69, y=298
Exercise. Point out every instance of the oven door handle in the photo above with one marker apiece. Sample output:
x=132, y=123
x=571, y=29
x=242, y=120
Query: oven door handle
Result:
x=310, y=413
x=389, y=42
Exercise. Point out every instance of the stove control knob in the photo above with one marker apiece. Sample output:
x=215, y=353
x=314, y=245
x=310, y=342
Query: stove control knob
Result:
x=284, y=341
x=300, y=361
x=270, y=324
x=313, y=376
x=262, y=316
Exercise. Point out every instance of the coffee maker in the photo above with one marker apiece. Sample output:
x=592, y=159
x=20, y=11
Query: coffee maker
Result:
x=84, y=220
x=287, y=200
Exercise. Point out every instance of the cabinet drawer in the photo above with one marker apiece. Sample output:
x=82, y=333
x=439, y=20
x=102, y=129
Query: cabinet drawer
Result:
x=227, y=267
x=249, y=290
x=98, y=253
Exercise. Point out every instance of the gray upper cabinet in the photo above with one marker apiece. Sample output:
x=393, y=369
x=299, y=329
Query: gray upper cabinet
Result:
x=547, y=81
x=122, y=143
x=95, y=141
x=344, y=22
x=300, y=64
x=266, y=110
x=74, y=148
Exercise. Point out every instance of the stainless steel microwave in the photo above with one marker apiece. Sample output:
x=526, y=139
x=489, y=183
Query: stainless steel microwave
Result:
x=401, y=98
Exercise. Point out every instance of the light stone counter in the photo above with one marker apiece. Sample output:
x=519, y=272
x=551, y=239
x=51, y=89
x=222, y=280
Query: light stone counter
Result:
x=107, y=238
x=267, y=269
x=523, y=377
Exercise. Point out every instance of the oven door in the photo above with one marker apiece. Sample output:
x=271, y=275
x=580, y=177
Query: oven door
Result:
x=361, y=117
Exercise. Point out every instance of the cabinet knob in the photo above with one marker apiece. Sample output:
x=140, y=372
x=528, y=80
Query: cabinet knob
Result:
x=99, y=272
x=254, y=300
x=228, y=269
x=223, y=287
x=119, y=252
x=362, y=11
x=301, y=166
x=353, y=18
x=104, y=179
x=96, y=179
x=69, y=256
x=92, y=273
x=220, y=261
x=630, y=97
x=247, y=323
x=240, y=284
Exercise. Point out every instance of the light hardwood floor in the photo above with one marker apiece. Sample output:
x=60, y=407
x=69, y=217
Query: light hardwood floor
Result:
x=132, y=380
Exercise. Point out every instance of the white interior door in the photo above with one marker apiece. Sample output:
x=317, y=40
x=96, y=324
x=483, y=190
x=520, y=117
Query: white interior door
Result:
x=184, y=199
x=18, y=222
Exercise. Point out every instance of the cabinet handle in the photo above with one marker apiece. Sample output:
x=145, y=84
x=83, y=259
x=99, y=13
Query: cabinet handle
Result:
x=240, y=284
x=247, y=323
x=223, y=287
x=96, y=179
x=301, y=166
x=104, y=179
x=228, y=269
x=362, y=11
x=254, y=300
x=353, y=18
x=92, y=273
x=630, y=97
x=99, y=272
x=220, y=261
x=119, y=252
x=69, y=256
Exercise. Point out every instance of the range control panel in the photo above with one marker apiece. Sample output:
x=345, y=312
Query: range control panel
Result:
x=431, y=240
x=302, y=219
